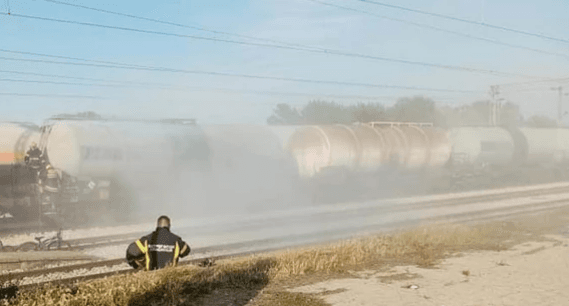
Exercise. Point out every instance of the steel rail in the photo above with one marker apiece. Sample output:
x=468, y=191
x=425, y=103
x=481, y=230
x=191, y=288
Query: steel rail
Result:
x=480, y=217
x=487, y=214
x=309, y=239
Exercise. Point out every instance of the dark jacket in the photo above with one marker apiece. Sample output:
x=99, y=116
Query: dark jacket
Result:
x=33, y=158
x=157, y=250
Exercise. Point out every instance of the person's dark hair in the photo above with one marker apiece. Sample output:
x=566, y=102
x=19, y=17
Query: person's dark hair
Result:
x=163, y=221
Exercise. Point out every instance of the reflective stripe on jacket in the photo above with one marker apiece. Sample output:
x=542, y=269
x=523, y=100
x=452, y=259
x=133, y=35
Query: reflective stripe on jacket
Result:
x=159, y=249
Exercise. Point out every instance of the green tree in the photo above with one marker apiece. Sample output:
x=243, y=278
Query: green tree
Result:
x=284, y=114
x=368, y=112
x=322, y=112
x=415, y=109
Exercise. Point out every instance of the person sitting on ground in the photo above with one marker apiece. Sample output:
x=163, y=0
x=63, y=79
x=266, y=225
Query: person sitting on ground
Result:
x=157, y=250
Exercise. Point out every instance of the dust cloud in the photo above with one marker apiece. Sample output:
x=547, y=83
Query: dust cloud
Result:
x=217, y=170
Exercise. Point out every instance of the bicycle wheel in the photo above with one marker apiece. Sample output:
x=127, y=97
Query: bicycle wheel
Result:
x=28, y=246
x=7, y=249
x=64, y=246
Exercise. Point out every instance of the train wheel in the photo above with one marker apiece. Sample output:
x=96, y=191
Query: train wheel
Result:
x=26, y=247
x=55, y=245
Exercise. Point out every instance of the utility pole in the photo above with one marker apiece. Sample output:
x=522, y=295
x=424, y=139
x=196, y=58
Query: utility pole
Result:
x=494, y=92
x=559, y=104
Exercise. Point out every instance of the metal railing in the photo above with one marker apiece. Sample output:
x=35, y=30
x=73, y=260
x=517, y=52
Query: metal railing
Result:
x=391, y=124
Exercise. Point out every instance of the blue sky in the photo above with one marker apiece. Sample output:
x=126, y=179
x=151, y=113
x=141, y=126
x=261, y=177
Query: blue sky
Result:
x=293, y=21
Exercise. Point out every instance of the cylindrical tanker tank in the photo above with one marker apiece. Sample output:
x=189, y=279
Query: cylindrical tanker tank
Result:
x=156, y=145
x=16, y=140
x=395, y=148
x=482, y=145
x=371, y=145
x=545, y=145
x=413, y=146
x=318, y=147
x=440, y=146
x=563, y=142
x=310, y=149
x=417, y=147
x=352, y=147
x=84, y=148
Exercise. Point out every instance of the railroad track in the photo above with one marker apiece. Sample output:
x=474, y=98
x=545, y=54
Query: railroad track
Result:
x=350, y=220
x=370, y=207
x=405, y=203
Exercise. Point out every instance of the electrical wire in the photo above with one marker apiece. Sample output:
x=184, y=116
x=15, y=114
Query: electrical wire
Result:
x=178, y=24
x=52, y=96
x=326, y=51
x=422, y=25
x=466, y=21
x=57, y=83
x=147, y=85
x=296, y=80
x=534, y=82
x=430, y=27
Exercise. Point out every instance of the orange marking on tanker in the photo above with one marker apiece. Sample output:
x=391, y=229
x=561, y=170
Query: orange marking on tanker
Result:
x=7, y=157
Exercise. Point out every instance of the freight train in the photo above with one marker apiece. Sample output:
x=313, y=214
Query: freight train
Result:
x=390, y=154
x=102, y=165
x=116, y=167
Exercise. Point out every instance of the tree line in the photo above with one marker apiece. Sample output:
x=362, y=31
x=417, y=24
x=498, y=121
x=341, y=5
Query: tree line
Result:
x=411, y=109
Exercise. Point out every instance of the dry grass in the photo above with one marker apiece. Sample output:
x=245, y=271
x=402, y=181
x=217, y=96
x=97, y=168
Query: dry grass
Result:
x=424, y=246
x=260, y=280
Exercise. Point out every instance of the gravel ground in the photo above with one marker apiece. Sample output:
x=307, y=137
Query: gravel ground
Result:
x=76, y=273
x=216, y=235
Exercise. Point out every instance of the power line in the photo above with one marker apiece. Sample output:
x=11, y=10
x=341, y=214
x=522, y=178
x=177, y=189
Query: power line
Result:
x=534, y=82
x=57, y=83
x=297, y=80
x=466, y=21
x=68, y=58
x=178, y=24
x=185, y=88
x=51, y=96
x=422, y=25
x=430, y=27
x=323, y=51
x=86, y=79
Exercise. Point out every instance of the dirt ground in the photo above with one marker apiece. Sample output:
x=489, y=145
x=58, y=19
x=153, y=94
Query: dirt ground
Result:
x=527, y=264
x=534, y=273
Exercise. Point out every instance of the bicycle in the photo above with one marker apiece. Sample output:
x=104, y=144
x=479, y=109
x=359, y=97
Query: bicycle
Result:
x=54, y=243
x=6, y=248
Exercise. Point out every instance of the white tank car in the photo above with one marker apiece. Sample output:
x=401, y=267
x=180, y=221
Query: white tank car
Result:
x=84, y=149
x=325, y=147
x=415, y=145
x=105, y=148
x=16, y=139
x=366, y=147
x=129, y=161
x=481, y=145
x=545, y=145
